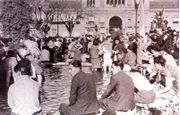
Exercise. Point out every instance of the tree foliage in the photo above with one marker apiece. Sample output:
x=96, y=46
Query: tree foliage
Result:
x=68, y=12
x=43, y=15
x=16, y=17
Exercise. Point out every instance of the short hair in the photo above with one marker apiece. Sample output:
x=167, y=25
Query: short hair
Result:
x=24, y=66
x=130, y=48
x=118, y=63
x=11, y=53
x=159, y=60
x=76, y=63
x=96, y=42
x=108, y=37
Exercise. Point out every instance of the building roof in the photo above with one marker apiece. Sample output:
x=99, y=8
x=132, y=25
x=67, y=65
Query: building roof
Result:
x=164, y=4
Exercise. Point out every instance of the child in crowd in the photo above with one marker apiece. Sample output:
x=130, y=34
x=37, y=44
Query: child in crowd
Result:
x=106, y=49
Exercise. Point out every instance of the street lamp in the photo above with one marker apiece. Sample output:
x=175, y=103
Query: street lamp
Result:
x=57, y=11
x=96, y=29
x=136, y=5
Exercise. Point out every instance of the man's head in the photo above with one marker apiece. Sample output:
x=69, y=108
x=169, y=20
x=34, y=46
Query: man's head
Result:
x=108, y=38
x=116, y=67
x=159, y=62
x=22, y=51
x=24, y=67
x=74, y=67
x=117, y=41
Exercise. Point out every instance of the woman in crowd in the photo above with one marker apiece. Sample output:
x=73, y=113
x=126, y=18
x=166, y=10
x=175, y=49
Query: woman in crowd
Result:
x=144, y=93
x=165, y=86
x=45, y=54
x=94, y=53
x=118, y=50
x=37, y=72
x=164, y=75
x=12, y=61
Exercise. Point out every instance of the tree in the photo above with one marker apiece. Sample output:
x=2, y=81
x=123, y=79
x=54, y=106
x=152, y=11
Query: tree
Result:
x=16, y=17
x=47, y=12
x=68, y=13
x=43, y=15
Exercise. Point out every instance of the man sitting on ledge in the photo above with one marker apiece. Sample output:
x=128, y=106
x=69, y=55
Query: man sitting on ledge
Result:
x=119, y=95
x=83, y=99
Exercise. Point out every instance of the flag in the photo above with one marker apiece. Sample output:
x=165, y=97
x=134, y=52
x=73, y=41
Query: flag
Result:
x=142, y=26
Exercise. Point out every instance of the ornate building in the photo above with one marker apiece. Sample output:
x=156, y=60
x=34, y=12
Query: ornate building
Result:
x=103, y=15
x=100, y=16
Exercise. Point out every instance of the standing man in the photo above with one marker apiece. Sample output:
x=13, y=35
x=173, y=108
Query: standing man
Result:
x=119, y=95
x=83, y=99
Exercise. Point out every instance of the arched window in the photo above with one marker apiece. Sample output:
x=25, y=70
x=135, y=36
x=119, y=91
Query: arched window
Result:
x=119, y=2
x=93, y=3
x=115, y=3
x=123, y=1
x=90, y=3
x=111, y=2
x=108, y=1
x=87, y=3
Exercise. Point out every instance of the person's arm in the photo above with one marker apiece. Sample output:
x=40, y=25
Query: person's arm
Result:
x=33, y=71
x=168, y=87
x=10, y=96
x=110, y=88
x=73, y=92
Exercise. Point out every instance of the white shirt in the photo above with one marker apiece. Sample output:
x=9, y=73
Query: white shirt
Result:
x=169, y=60
x=140, y=82
x=23, y=96
x=45, y=55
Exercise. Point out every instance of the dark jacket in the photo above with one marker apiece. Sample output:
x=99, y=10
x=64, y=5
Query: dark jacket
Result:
x=119, y=95
x=83, y=99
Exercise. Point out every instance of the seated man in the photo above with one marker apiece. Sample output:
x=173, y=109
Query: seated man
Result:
x=119, y=95
x=83, y=99
x=23, y=95
x=144, y=93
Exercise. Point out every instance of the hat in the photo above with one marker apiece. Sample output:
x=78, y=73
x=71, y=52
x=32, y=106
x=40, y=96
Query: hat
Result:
x=76, y=63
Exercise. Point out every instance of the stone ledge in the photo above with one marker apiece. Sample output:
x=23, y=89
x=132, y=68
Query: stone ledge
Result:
x=66, y=64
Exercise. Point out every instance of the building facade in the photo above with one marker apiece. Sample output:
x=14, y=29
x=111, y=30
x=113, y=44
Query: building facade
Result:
x=106, y=14
x=100, y=16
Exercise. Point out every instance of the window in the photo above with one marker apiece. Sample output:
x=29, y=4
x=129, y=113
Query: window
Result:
x=90, y=3
x=115, y=3
x=119, y=2
x=111, y=2
x=123, y=2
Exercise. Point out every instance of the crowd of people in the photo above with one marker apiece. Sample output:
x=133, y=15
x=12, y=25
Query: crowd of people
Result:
x=144, y=71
